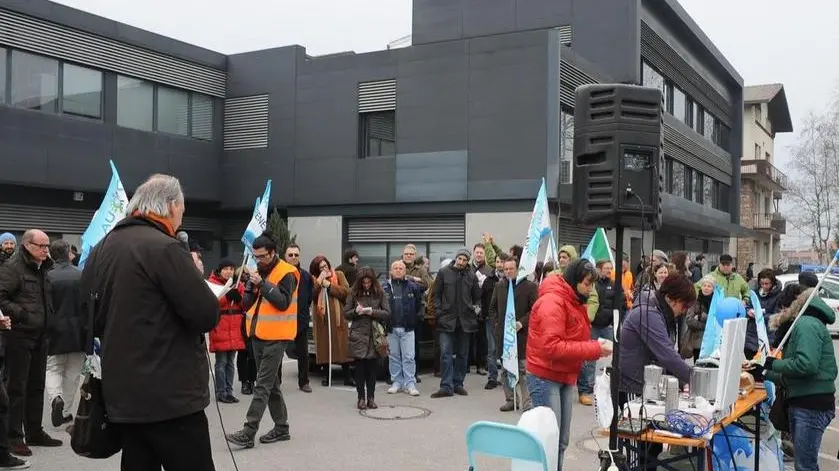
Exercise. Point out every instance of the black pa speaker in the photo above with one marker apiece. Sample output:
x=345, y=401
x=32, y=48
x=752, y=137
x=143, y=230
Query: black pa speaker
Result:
x=618, y=157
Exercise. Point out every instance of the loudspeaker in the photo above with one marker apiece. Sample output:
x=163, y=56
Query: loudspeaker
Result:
x=618, y=158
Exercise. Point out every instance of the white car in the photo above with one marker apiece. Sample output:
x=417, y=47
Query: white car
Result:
x=829, y=291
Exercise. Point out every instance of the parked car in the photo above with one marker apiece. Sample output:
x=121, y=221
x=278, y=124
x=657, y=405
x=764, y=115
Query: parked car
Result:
x=829, y=291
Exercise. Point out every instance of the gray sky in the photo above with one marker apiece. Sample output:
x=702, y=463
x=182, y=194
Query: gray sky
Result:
x=767, y=41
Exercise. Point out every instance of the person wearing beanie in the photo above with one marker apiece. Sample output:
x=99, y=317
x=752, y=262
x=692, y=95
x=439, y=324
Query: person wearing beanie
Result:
x=808, y=279
x=227, y=337
x=457, y=298
x=7, y=246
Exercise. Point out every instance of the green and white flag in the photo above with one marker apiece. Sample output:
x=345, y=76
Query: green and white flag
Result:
x=598, y=248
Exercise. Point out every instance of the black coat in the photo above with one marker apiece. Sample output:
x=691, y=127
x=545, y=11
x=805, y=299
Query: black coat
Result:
x=68, y=329
x=26, y=295
x=487, y=288
x=525, y=293
x=304, y=299
x=152, y=313
x=456, y=292
x=361, y=329
x=608, y=300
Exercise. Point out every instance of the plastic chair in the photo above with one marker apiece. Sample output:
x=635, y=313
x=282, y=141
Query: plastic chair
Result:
x=503, y=440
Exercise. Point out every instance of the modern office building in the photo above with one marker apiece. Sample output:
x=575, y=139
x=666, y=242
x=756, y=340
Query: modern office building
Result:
x=762, y=185
x=432, y=144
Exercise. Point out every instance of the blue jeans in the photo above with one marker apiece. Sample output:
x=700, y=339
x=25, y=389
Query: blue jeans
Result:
x=225, y=369
x=560, y=398
x=807, y=427
x=492, y=355
x=585, y=382
x=402, y=359
x=453, y=344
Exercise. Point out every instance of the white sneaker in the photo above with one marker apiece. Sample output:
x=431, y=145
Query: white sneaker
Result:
x=413, y=392
x=394, y=389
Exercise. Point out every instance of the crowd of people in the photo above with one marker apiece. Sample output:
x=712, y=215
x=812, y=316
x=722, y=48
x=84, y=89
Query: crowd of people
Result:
x=154, y=314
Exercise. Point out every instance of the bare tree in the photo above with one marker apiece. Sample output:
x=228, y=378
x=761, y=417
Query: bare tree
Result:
x=814, y=187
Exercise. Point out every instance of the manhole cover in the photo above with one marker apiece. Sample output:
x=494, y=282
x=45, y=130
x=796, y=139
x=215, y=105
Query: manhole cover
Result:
x=395, y=413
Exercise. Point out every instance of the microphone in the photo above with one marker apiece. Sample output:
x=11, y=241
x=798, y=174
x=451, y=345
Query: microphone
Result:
x=183, y=237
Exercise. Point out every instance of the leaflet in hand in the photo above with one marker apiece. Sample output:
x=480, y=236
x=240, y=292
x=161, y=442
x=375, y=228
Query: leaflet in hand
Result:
x=220, y=290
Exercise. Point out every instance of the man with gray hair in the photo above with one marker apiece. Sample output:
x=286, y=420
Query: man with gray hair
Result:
x=151, y=310
x=66, y=336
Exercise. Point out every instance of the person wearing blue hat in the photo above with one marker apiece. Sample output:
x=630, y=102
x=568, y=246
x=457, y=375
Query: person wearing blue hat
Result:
x=8, y=243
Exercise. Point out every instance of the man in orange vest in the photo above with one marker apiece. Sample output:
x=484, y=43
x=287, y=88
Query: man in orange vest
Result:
x=271, y=324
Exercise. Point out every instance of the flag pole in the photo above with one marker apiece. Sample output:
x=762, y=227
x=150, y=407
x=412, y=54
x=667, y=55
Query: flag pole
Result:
x=242, y=268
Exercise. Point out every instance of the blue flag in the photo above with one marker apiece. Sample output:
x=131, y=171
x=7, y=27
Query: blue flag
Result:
x=111, y=211
x=257, y=224
x=510, y=351
x=539, y=228
x=760, y=323
x=713, y=330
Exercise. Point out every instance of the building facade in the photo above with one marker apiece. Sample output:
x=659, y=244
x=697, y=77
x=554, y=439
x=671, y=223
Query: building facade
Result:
x=432, y=144
x=762, y=185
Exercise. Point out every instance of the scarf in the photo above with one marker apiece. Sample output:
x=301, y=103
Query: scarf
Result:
x=167, y=225
x=321, y=301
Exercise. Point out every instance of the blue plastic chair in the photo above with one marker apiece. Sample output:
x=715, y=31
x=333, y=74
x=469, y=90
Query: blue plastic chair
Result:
x=503, y=440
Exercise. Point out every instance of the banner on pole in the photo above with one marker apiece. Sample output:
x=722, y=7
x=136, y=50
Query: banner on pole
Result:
x=111, y=211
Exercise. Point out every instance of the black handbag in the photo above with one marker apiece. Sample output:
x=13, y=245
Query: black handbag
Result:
x=92, y=435
x=779, y=412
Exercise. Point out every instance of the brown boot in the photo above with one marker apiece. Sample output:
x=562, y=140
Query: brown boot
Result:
x=362, y=404
x=586, y=400
x=371, y=404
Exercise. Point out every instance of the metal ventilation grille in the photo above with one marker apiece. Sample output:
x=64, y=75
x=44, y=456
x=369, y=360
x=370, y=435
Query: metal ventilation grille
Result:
x=61, y=42
x=685, y=150
x=246, y=122
x=570, y=78
x=441, y=229
x=565, y=34
x=377, y=96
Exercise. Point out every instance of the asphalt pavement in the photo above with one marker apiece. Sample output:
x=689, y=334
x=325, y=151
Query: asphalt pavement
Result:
x=410, y=433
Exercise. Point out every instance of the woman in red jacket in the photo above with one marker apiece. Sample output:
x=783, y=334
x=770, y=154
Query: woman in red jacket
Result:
x=226, y=338
x=559, y=341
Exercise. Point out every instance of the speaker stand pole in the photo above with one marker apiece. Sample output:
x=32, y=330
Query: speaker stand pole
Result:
x=614, y=375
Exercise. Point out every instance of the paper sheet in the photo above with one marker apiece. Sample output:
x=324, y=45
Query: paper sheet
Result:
x=220, y=290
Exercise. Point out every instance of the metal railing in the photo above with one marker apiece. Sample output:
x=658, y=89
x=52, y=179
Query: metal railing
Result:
x=770, y=221
x=763, y=169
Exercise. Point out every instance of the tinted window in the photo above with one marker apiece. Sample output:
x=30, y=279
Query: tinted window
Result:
x=172, y=111
x=34, y=82
x=202, y=117
x=82, y=91
x=135, y=103
x=651, y=77
x=678, y=183
x=680, y=108
x=2, y=75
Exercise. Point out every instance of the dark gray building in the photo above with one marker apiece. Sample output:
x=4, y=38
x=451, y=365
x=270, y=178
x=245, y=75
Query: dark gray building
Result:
x=431, y=144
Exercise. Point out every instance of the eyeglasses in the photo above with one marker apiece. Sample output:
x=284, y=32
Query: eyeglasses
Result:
x=39, y=246
x=264, y=256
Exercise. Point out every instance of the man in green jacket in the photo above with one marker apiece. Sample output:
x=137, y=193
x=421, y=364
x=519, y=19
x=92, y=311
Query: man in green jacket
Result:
x=732, y=283
x=808, y=373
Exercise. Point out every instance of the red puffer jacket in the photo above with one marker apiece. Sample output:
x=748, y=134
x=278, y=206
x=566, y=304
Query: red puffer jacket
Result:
x=227, y=335
x=559, y=334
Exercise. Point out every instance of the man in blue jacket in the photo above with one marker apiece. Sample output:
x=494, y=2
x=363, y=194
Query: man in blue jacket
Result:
x=405, y=314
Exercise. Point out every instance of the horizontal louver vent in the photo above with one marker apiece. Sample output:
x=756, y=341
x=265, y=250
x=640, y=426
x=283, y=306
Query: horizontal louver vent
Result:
x=246, y=122
x=570, y=78
x=673, y=66
x=62, y=42
x=683, y=149
x=565, y=34
x=19, y=218
x=407, y=230
x=377, y=96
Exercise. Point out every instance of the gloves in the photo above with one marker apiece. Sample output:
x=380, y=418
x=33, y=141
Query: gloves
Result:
x=768, y=364
x=233, y=296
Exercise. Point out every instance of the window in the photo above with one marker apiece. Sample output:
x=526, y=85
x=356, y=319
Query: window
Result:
x=34, y=82
x=768, y=156
x=651, y=78
x=668, y=175
x=759, y=114
x=439, y=251
x=757, y=151
x=724, y=203
x=201, y=108
x=708, y=126
x=3, y=75
x=566, y=146
x=373, y=255
x=81, y=91
x=723, y=135
x=377, y=134
x=135, y=103
x=172, y=111
x=680, y=106
x=678, y=183
x=708, y=191
x=696, y=187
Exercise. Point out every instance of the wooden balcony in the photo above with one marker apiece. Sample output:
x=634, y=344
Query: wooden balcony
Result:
x=765, y=174
x=770, y=222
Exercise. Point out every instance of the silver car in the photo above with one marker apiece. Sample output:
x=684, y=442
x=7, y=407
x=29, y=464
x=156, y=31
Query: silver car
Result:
x=829, y=292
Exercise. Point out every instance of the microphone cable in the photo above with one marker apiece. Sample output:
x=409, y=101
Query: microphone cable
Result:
x=218, y=408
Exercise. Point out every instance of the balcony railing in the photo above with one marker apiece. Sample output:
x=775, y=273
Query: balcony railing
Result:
x=770, y=222
x=764, y=171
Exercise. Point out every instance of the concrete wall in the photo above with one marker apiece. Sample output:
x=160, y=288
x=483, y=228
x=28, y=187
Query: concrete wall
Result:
x=318, y=235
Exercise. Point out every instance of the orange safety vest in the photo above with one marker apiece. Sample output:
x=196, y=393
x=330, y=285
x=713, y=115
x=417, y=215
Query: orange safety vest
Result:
x=271, y=322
